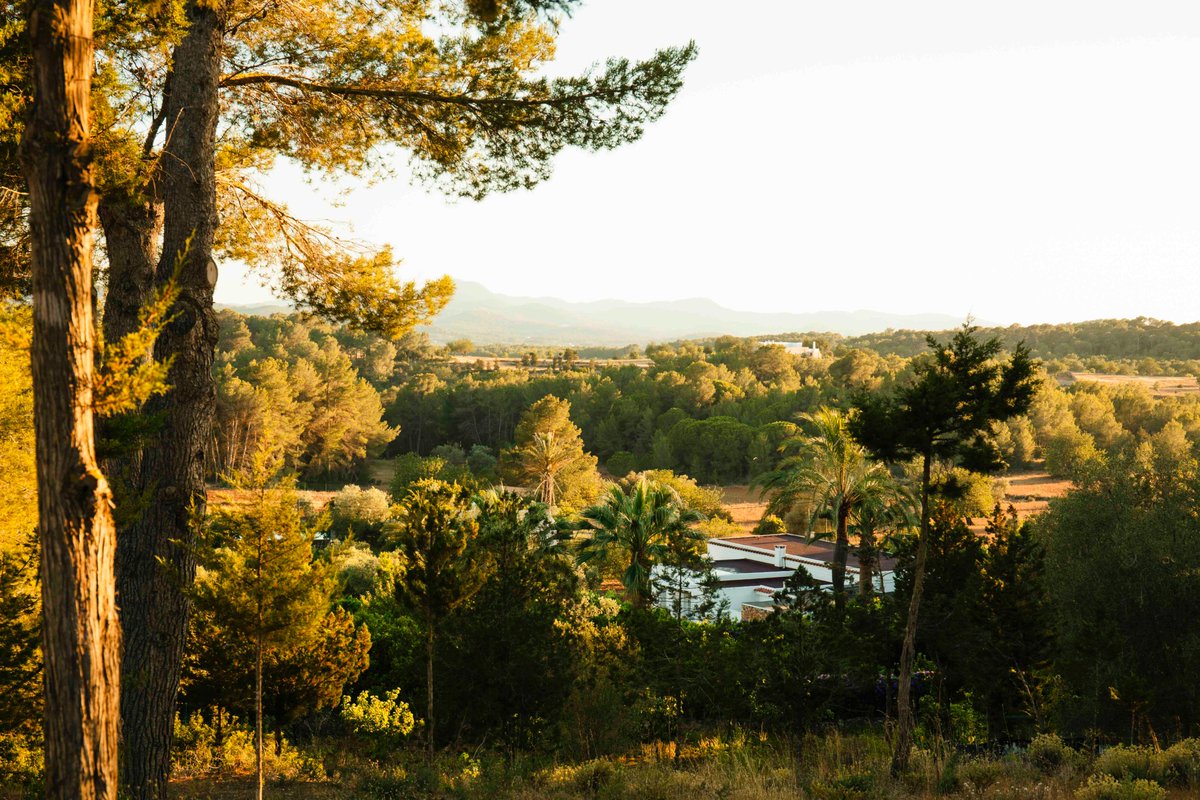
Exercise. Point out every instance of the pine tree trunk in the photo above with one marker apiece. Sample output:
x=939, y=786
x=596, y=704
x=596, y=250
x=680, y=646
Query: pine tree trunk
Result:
x=80, y=633
x=429, y=691
x=258, y=715
x=841, y=553
x=904, y=709
x=157, y=564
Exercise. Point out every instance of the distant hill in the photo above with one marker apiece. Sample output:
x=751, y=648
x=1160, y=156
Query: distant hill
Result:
x=257, y=309
x=486, y=317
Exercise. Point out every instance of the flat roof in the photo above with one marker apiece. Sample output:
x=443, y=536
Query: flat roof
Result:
x=798, y=547
x=744, y=566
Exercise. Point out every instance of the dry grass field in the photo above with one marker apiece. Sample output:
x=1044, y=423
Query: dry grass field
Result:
x=744, y=504
x=237, y=499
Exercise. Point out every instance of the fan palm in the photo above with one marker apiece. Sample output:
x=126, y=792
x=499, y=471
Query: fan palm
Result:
x=541, y=462
x=826, y=472
x=641, y=526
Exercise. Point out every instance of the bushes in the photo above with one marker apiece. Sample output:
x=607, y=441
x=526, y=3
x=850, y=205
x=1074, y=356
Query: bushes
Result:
x=20, y=759
x=1183, y=761
x=1049, y=753
x=199, y=752
x=1105, y=787
x=1178, y=765
x=1132, y=763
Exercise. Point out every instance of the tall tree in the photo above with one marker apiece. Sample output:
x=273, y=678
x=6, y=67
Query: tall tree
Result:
x=641, y=527
x=947, y=413
x=80, y=633
x=328, y=85
x=438, y=534
x=265, y=588
x=549, y=458
x=827, y=472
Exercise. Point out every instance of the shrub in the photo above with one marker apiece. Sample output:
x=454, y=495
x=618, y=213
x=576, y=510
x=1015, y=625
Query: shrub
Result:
x=1106, y=787
x=980, y=773
x=850, y=786
x=1048, y=752
x=385, y=719
x=197, y=752
x=20, y=759
x=1183, y=762
x=587, y=778
x=1133, y=763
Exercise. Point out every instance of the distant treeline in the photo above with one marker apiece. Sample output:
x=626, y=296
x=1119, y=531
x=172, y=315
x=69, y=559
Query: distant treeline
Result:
x=1140, y=346
x=1153, y=346
x=325, y=398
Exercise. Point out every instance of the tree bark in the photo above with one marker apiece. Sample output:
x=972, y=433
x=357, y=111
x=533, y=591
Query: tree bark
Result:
x=868, y=558
x=904, y=709
x=80, y=634
x=258, y=715
x=428, y=692
x=132, y=227
x=156, y=560
x=841, y=552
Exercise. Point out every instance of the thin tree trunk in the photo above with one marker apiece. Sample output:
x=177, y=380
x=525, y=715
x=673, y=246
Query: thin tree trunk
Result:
x=904, y=710
x=157, y=563
x=868, y=558
x=428, y=691
x=80, y=633
x=258, y=715
x=841, y=552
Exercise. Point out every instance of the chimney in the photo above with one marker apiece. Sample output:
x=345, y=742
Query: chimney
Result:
x=780, y=555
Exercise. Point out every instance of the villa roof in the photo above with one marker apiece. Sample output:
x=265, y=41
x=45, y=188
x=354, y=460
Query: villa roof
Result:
x=797, y=547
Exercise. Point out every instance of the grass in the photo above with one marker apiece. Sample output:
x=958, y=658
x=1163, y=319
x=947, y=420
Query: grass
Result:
x=835, y=766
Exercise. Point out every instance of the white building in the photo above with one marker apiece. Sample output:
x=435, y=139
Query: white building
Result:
x=797, y=348
x=752, y=569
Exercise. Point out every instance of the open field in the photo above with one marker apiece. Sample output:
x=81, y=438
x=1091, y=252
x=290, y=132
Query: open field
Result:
x=1158, y=385
x=221, y=499
x=744, y=504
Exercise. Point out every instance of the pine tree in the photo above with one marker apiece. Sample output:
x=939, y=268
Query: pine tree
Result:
x=946, y=414
x=438, y=533
x=264, y=586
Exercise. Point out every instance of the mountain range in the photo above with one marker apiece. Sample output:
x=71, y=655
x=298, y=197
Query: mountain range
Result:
x=486, y=317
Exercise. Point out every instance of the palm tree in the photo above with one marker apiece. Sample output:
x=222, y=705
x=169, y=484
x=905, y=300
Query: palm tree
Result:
x=826, y=472
x=887, y=512
x=641, y=525
x=540, y=463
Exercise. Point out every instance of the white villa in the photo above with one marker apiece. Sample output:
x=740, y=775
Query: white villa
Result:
x=797, y=348
x=751, y=569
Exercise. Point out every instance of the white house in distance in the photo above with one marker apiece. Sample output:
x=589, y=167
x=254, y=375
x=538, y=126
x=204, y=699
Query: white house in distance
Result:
x=797, y=348
x=752, y=569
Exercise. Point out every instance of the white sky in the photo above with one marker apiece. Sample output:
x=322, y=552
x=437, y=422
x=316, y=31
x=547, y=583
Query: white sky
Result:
x=1021, y=161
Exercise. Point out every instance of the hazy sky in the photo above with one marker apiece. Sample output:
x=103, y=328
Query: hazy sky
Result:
x=1021, y=161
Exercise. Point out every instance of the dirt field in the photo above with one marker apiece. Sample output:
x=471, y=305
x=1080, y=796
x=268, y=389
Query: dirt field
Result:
x=744, y=504
x=234, y=499
x=1159, y=385
x=1029, y=493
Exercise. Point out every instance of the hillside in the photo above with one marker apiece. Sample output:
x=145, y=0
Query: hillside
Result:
x=487, y=317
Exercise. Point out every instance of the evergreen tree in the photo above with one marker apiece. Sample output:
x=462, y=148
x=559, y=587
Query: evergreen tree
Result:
x=438, y=531
x=264, y=589
x=947, y=414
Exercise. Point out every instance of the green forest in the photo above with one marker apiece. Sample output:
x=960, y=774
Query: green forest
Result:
x=506, y=536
